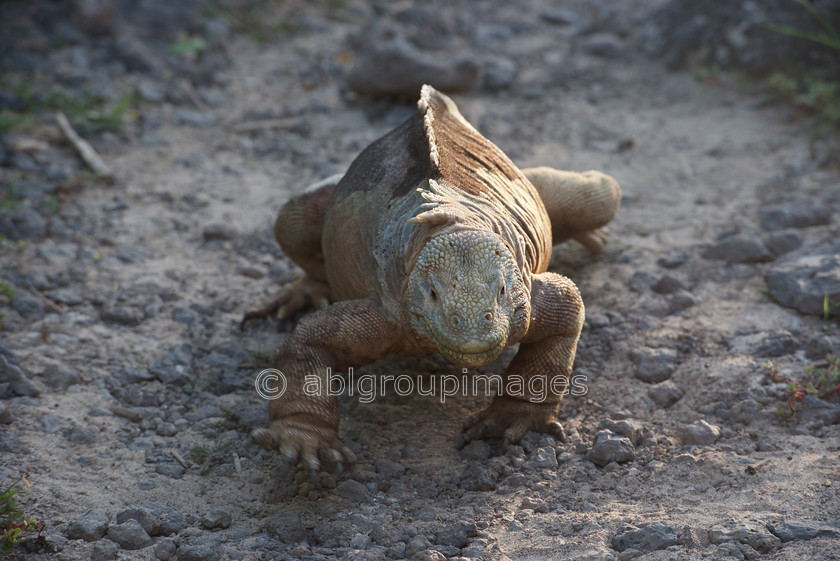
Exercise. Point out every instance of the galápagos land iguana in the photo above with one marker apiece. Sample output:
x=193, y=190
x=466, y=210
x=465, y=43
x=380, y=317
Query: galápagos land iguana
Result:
x=434, y=240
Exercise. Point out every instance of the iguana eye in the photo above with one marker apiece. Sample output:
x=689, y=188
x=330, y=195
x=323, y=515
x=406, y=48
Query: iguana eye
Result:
x=502, y=291
x=433, y=295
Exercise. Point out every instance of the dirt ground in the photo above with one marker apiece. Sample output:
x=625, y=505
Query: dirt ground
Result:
x=127, y=384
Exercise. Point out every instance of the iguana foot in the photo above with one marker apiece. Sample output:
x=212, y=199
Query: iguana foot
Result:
x=306, y=439
x=296, y=296
x=594, y=240
x=511, y=419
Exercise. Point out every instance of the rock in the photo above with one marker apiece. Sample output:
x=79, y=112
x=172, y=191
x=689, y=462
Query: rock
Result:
x=200, y=548
x=665, y=394
x=499, y=74
x=155, y=518
x=604, y=45
x=136, y=54
x=417, y=544
x=803, y=283
x=397, y=68
x=673, y=258
x=28, y=305
x=545, y=457
x=681, y=300
x=217, y=518
x=66, y=296
x=749, y=534
x=129, y=535
x=477, y=476
x=745, y=411
x=22, y=224
x=428, y=555
x=5, y=414
x=653, y=537
x=457, y=534
x=51, y=424
x=780, y=243
x=90, y=527
x=219, y=232
x=763, y=344
x=172, y=366
x=787, y=532
x=150, y=90
x=165, y=550
x=13, y=382
x=739, y=248
x=818, y=411
x=193, y=118
x=287, y=527
x=58, y=378
x=170, y=469
x=610, y=447
x=103, y=550
x=79, y=434
x=626, y=427
x=353, y=491
x=121, y=315
x=668, y=284
x=360, y=541
x=476, y=450
x=700, y=433
x=654, y=365
x=794, y=215
x=559, y=16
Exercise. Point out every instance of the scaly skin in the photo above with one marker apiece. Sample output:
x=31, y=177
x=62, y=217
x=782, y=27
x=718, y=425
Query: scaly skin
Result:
x=432, y=241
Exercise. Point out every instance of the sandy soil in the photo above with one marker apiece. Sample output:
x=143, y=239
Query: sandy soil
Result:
x=164, y=262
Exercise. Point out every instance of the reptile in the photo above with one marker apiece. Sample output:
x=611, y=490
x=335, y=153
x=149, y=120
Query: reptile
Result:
x=432, y=241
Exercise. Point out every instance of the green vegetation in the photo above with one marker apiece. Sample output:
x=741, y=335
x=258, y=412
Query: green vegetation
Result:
x=7, y=290
x=829, y=36
x=807, y=92
x=189, y=46
x=820, y=380
x=88, y=112
x=11, y=200
x=13, y=522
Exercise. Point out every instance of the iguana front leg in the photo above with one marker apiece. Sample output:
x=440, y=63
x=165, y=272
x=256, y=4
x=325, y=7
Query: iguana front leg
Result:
x=543, y=365
x=304, y=419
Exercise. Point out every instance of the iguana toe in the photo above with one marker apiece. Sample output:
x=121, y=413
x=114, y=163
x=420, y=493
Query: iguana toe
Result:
x=510, y=419
x=294, y=297
x=306, y=442
x=594, y=240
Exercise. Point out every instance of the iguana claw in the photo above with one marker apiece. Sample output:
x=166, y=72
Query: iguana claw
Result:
x=296, y=296
x=510, y=419
x=305, y=441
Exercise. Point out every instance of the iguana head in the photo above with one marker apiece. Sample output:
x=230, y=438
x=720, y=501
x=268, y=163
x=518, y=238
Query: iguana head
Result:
x=465, y=296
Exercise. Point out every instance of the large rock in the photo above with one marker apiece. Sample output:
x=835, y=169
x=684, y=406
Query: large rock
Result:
x=398, y=68
x=803, y=282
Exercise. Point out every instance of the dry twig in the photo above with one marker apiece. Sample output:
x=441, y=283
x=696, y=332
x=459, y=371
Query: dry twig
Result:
x=93, y=160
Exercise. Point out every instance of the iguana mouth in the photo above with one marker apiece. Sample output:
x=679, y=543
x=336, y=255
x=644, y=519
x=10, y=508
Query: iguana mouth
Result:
x=469, y=359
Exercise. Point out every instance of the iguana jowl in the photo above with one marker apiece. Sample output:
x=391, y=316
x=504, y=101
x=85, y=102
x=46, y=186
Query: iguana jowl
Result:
x=432, y=241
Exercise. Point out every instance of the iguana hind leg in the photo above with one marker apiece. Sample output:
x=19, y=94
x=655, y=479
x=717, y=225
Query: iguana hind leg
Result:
x=540, y=372
x=578, y=204
x=298, y=230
